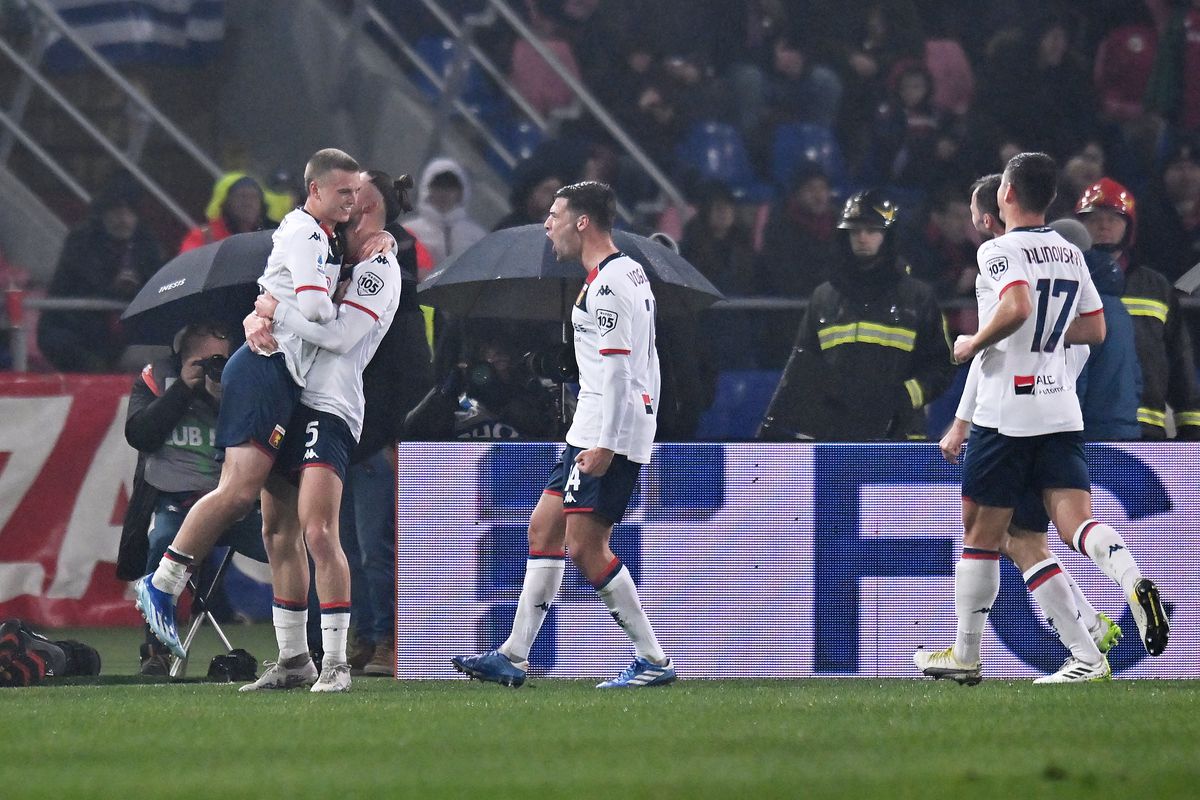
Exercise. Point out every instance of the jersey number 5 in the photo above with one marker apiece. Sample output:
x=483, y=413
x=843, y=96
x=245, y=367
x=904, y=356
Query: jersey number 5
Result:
x=1045, y=291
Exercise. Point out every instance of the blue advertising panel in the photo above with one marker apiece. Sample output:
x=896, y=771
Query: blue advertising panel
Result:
x=774, y=560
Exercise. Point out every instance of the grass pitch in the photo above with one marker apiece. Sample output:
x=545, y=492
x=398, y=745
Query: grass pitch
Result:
x=118, y=737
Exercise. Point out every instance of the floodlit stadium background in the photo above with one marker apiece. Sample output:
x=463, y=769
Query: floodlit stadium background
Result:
x=772, y=561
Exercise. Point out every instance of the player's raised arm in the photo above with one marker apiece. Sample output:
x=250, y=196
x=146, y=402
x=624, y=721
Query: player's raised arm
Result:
x=372, y=287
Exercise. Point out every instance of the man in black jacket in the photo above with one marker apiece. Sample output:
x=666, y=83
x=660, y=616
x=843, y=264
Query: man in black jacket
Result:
x=172, y=422
x=872, y=348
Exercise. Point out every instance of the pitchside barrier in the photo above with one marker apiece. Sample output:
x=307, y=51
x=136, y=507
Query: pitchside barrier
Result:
x=774, y=560
x=763, y=560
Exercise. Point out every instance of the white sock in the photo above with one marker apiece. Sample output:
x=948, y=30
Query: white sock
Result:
x=1049, y=586
x=976, y=584
x=543, y=577
x=291, y=624
x=1103, y=545
x=1088, y=614
x=172, y=573
x=619, y=593
x=335, y=628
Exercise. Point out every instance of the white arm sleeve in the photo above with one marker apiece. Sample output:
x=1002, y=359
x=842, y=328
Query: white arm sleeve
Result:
x=338, y=335
x=303, y=258
x=966, y=404
x=615, y=405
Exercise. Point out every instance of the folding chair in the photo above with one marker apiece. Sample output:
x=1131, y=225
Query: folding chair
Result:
x=200, y=613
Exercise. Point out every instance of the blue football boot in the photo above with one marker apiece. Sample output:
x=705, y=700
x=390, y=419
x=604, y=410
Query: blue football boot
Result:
x=158, y=608
x=642, y=673
x=492, y=666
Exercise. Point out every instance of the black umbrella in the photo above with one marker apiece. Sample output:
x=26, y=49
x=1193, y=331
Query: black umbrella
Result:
x=514, y=274
x=216, y=282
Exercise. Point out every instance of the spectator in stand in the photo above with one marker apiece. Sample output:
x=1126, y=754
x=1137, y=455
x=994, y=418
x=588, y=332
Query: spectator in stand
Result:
x=530, y=74
x=942, y=253
x=799, y=241
x=110, y=256
x=1164, y=346
x=1081, y=171
x=795, y=88
x=533, y=186
x=1170, y=237
x=237, y=206
x=910, y=146
x=441, y=222
x=872, y=349
x=717, y=244
x=171, y=422
x=1174, y=88
x=1124, y=63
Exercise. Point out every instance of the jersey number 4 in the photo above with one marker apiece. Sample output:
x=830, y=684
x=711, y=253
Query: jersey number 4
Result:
x=1045, y=290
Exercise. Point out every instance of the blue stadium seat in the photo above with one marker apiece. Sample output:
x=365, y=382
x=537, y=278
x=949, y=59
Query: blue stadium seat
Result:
x=797, y=142
x=478, y=92
x=715, y=151
x=741, y=400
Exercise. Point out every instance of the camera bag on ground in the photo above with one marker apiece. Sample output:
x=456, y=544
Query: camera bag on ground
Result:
x=239, y=665
x=27, y=657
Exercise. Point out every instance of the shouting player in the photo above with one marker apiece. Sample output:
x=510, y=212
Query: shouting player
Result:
x=1027, y=431
x=609, y=440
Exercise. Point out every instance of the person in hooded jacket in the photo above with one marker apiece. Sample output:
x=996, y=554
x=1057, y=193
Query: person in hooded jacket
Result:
x=872, y=349
x=441, y=222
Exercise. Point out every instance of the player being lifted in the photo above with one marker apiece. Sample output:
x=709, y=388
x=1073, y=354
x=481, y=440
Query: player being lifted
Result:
x=1027, y=432
x=315, y=456
x=609, y=440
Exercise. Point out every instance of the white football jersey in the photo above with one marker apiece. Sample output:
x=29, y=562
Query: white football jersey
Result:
x=1027, y=382
x=300, y=264
x=347, y=343
x=614, y=318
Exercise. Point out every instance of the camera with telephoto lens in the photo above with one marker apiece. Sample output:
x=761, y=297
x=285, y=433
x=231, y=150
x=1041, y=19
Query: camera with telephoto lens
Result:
x=213, y=366
x=555, y=364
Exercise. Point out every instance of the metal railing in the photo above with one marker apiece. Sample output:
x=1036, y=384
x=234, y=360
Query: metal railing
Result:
x=467, y=52
x=47, y=22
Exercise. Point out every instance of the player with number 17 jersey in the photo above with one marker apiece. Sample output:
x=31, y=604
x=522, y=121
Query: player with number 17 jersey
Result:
x=614, y=316
x=1027, y=384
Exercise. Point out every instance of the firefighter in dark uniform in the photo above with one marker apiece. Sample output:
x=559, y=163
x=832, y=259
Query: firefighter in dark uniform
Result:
x=872, y=349
x=1164, y=347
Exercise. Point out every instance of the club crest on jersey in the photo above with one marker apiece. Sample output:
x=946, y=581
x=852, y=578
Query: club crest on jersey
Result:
x=276, y=437
x=369, y=284
x=603, y=291
x=606, y=320
x=996, y=267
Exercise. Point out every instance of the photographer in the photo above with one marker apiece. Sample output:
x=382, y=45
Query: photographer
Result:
x=500, y=390
x=172, y=423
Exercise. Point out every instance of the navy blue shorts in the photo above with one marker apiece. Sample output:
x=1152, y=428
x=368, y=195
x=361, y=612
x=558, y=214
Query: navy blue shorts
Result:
x=258, y=397
x=1030, y=513
x=607, y=496
x=1001, y=470
x=317, y=439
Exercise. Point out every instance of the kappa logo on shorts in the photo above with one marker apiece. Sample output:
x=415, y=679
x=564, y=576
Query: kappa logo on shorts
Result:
x=276, y=437
x=310, y=455
x=606, y=320
x=369, y=284
x=996, y=267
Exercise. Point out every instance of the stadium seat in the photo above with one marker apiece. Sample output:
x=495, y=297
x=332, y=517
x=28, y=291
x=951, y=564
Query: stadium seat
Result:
x=715, y=151
x=477, y=93
x=797, y=142
x=741, y=400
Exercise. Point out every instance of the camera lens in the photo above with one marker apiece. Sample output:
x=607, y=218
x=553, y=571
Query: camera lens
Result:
x=214, y=366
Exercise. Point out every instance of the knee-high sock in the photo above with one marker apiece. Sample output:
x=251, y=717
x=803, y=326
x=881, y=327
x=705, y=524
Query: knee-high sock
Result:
x=291, y=619
x=1087, y=612
x=1103, y=545
x=543, y=577
x=619, y=593
x=335, y=626
x=976, y=584
x=172, y=573
x=1049, y=586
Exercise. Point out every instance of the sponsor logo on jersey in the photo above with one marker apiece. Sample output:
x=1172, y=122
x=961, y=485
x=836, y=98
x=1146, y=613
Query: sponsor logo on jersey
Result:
x=310, y=455
x=1023, y=384
x=996, y=267
x=276, y=436
x=315, y=236
x=606, y=320
x=379, y=259
x=579, y=328
x=369, y=284
x=646, y=402
x=603, y=291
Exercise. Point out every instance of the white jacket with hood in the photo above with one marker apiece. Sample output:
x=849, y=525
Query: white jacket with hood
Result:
x=443, y=234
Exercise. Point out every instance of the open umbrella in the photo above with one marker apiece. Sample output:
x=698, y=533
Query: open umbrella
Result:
x=216, y=282
x=514, y=274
